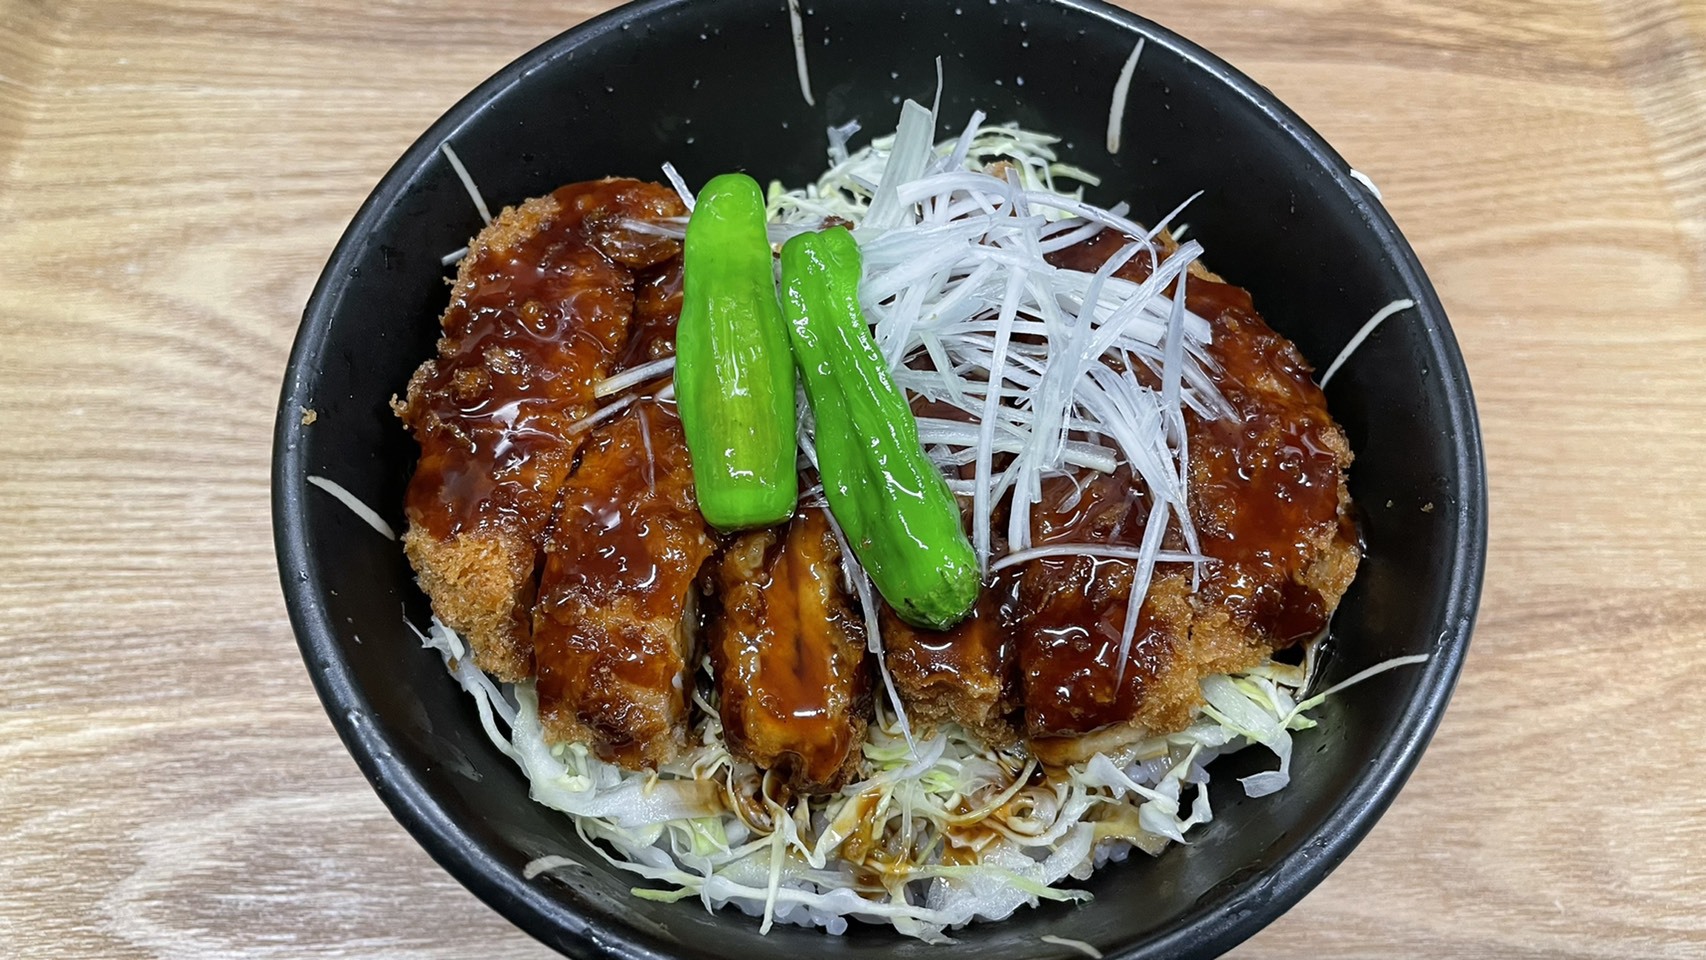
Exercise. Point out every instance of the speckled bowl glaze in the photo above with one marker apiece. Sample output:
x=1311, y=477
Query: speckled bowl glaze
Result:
x=711, y=86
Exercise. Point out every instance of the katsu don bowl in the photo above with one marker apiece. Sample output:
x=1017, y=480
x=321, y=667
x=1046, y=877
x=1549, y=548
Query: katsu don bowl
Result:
x=1065, y=546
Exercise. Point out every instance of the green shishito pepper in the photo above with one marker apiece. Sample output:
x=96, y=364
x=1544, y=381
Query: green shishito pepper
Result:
x=734, y=372
x=900, y=519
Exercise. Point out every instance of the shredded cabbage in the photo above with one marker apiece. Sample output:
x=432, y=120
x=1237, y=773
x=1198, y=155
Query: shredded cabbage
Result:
x=943, y=834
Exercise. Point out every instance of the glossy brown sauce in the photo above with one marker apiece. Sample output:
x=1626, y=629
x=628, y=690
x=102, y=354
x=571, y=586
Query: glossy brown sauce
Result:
x=628, y=526
x=788, y=650
x=861, y=844
x=537, y=323
x=1271, y=478
x=974, y=648
x=1072, y=611
x=1267, y=490
x=1265, y=495
x=532, y=326
x=657, y=307
x=964, y=846
x=609, y=639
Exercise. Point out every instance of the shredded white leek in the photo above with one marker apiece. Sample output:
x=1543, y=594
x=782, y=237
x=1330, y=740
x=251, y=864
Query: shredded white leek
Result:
x=1087, y=949
x=680, y=185
x=1122, y=91
x=798, y=28
x=703, y=825
x=540, y=865
x=861, y=581
x=633, y=376
x=1363, y=179
x=467, y=182
x=969, y=311
x=1099, y=551
x=1361, y=335
x=368, y=515
x=599, y=416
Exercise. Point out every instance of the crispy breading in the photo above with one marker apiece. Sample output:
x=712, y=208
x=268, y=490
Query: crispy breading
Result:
x=580, y=553
x=538, y=315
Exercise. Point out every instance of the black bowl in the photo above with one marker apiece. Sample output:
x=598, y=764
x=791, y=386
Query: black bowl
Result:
x=711, y=86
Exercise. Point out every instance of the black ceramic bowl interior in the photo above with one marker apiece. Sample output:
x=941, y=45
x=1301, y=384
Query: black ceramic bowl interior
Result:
x=710, y=85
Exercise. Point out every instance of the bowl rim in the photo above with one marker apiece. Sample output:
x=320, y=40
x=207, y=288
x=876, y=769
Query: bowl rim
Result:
x=1205, y=930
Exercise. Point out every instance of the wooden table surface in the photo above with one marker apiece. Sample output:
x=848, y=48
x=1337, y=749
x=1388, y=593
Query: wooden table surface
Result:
x=174, y=173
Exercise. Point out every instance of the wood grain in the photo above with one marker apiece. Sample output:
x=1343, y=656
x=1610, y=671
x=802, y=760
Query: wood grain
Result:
x=173, y=174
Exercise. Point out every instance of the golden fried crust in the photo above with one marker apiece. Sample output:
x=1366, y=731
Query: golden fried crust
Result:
x=574, y=552
x=539, y=313
x=789, y=654
x=1159, y=690
x=479, y=584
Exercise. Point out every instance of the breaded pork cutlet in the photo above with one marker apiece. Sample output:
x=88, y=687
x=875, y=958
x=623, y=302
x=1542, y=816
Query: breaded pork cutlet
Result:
x=614, y=627
x=788, y=650
x=964, y=675
x=539, y=314
x=1270, y=506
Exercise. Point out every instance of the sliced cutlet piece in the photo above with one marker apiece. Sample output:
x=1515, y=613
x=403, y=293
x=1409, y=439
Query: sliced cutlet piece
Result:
x=1071, y=612
x=788, y=649
x=538, y=315
x=966, y=674
x=963, y=675
x=613, y=631
x=1272, y=513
